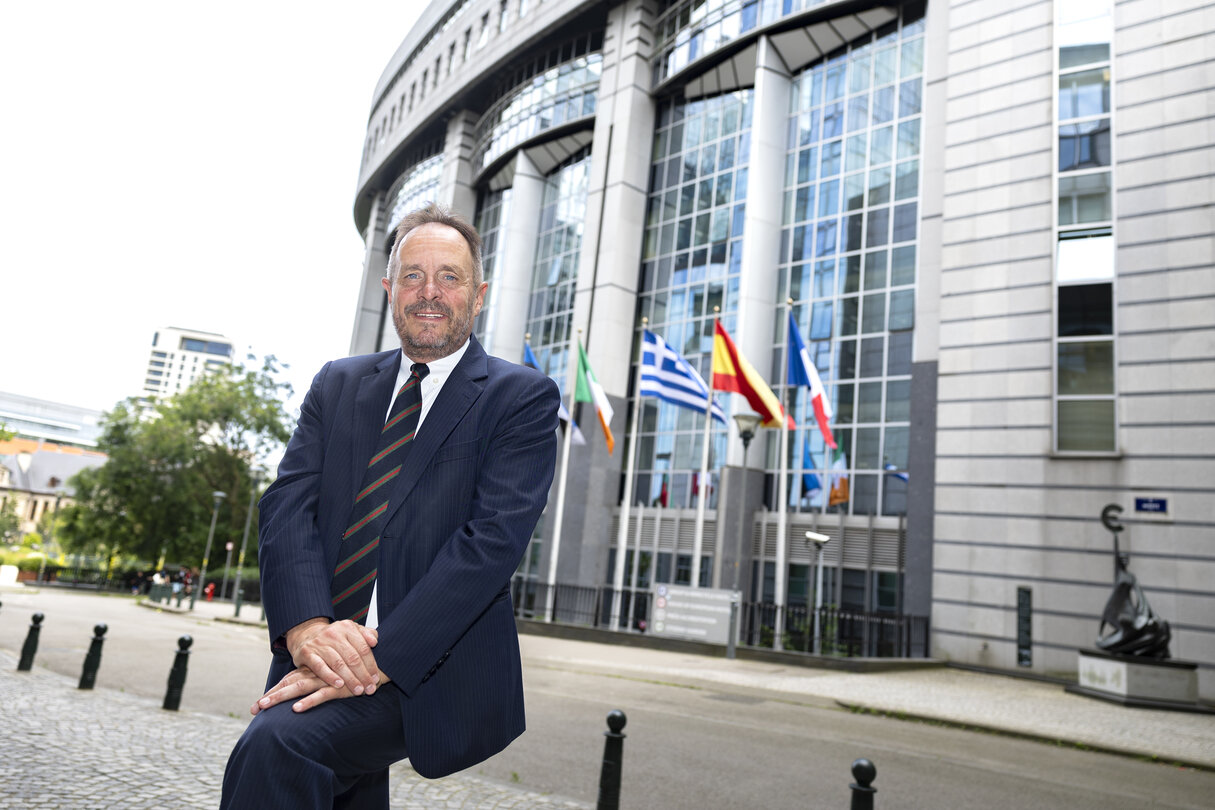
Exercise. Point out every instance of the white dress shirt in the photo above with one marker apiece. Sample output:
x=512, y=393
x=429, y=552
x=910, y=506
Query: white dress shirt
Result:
x=440, y=370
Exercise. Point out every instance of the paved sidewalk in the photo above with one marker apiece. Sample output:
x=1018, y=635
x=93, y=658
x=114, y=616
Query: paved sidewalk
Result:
x=1000, y=703
x=69, y=749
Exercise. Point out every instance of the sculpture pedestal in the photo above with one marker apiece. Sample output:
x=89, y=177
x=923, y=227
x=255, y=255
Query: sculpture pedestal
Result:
x=1149, y=683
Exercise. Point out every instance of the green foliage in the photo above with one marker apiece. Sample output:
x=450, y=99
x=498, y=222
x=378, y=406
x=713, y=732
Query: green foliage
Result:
x=154, y=493
x=10, y=522
x=5, y=433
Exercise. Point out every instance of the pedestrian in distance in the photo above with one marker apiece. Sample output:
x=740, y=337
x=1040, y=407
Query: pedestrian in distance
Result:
x=403, y=504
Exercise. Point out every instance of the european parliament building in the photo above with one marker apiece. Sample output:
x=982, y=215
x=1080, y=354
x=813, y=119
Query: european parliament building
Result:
x=993, y=220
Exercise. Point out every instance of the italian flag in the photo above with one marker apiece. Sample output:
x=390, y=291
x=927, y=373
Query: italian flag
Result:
x=732, y=372
x=588, y=389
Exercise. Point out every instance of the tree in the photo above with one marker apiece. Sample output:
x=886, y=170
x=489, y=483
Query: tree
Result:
x=153, y=494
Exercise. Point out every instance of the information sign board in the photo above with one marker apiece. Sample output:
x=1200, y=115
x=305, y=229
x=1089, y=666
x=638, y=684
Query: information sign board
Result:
x=699, y=614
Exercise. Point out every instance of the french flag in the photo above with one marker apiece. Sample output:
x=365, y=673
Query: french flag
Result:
x=803, y=372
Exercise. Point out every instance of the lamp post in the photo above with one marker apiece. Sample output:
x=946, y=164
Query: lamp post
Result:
x=819, y=541
x=202, y=575
x=747, y=425
x=244, y=541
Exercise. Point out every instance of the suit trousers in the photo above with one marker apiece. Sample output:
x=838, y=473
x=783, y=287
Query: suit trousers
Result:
x=335, y=755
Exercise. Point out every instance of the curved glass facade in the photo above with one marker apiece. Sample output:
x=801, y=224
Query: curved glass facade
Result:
x=414, y=188
x=689, y=29
x=691, y=262
x=848, y=252
x=553, y=90
x=493, y=212
x=555, y=272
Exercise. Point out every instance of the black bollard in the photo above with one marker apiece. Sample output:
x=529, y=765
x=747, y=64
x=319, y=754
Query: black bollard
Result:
x=31, y=644
x=613, y=758
x=92, y=661
x=862, y=795
x=177, y=675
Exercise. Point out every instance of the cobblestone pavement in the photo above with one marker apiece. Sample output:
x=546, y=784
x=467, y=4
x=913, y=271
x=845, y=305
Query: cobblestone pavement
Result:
x=63, y=748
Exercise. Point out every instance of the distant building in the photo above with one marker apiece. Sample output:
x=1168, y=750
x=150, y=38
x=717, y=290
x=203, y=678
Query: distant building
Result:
x=31, y=418
x=35, y=474
x=179, y=356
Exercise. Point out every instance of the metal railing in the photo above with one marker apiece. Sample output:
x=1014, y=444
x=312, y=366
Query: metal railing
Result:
x=842, y=633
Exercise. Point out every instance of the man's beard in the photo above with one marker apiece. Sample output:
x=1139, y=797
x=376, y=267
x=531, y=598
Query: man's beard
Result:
x=446, y=341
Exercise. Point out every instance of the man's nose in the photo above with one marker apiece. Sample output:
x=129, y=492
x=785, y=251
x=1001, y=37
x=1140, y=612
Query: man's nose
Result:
x=429, y=288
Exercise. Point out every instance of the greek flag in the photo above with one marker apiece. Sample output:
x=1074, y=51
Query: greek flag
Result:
x=667, y=376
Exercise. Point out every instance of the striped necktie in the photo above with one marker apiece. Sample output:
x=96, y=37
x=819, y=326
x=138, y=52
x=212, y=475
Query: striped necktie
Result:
x=359, y=555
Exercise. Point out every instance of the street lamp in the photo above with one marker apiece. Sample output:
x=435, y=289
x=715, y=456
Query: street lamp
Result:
x=819, y=541
x=240, y=560
x=202, y=575
x=747, y=425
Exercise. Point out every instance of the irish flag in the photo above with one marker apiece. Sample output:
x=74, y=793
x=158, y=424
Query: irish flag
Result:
x=732, y=372
x=589, y=390
x=839, y=479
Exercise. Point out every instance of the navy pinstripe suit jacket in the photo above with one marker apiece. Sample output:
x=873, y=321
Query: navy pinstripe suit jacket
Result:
x=460, y=517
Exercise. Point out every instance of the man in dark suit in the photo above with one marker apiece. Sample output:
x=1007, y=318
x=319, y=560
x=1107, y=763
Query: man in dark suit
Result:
x=427, y=664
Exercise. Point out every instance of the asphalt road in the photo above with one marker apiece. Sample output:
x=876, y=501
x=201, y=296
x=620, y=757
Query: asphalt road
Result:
x=688, y=746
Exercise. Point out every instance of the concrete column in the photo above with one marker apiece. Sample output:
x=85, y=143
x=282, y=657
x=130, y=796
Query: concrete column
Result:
x=606, y=296
x=510, y=290
x=372, y=308
x=456, y=179
x=758, y=305
x=741, y=494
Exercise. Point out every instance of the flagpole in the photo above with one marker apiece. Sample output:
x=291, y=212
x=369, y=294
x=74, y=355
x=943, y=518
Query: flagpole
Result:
x=622, y=532
x=698, y=537
x=571, y=374
x=782, y=489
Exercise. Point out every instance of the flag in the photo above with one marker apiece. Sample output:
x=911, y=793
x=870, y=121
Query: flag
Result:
x=588, y=389
x=732, y=372
x=803, y=372
x=667, y=376
x=810, y=482
x=563, y=413
x=839, y=479
x=896, y=472
x=663, y=496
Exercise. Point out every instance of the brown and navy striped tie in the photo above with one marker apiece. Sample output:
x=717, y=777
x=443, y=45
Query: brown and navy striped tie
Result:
x=359, y=555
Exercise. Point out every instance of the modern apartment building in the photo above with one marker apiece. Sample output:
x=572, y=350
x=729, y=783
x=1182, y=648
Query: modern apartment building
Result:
x=179, y=356
x=993, y=220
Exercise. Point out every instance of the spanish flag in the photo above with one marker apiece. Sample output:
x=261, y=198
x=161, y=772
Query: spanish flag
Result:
x=732, y=372
x=588, y=389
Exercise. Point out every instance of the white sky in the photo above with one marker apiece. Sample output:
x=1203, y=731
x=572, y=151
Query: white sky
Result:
x=180, y=164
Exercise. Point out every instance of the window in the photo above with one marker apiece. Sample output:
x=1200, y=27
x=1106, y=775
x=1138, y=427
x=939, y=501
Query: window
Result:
x=502, y=16
x=467, y=43
x=481, y=40
x=1085, y=347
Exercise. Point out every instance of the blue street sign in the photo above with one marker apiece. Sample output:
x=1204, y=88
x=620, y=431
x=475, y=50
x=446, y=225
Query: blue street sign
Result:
x=1155, y=506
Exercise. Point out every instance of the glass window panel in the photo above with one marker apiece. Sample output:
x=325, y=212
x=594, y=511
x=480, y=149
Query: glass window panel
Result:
x=858, y=113
x=871, y=357
x=902, y=265
x=803, y=208
x=821, y=320
x=847, y=316
x=883, y=66
x=877, y=228
x=909, y=139
x=855, y=158
x=879, y=186
x=909, y=98
x=1084, y=198
x=850, y=276
x=858, y=75
x=854, y=191
x=1084, y=258
x=912, y=60
x=902, y=310
x=824, y=278
x=1084, y=94
x=898, y=356
x=898, y=402
x=1084, y=32
x=879, y=145
x=828, y=198
x=904, y=222
x=907, y=180
x=830, y=163
x=845, y=394
x=825, y=238
x=1086, y=368
x=1085, y=145
x=845, y=364
x=875, y=270
x=1086, y=309
x=874, y=318
x=882, y=109
x=868, y=450
x=1086, y=426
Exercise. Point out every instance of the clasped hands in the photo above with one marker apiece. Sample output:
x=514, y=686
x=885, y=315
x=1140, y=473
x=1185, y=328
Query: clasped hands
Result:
x=332, y=660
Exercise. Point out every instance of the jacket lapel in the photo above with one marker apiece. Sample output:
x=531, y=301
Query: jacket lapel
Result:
x=457, y=396
x=370, y=407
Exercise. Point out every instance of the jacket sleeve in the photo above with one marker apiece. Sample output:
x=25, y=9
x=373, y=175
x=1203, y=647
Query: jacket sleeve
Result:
x=291, y=555
x=477, y=561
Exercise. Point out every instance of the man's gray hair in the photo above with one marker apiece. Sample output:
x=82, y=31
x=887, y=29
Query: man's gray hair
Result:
x=442, y=215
